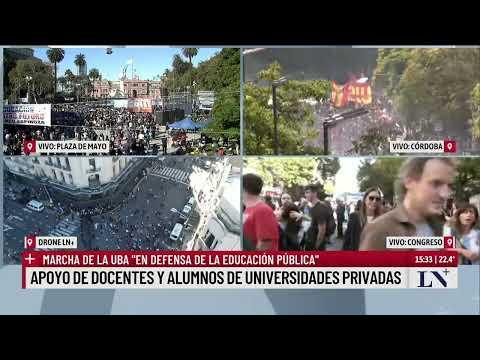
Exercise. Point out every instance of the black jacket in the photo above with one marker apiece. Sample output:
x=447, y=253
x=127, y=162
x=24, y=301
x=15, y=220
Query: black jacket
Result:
x=352, y=235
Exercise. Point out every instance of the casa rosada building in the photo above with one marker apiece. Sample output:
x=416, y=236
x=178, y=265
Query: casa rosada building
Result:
x=130, y=88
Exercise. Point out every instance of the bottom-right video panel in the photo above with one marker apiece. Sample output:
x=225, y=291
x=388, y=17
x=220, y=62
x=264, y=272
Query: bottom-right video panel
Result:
x=362, y=203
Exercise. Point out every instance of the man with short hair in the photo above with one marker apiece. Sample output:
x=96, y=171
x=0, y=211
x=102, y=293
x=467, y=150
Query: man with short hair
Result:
x=317, y=237
x=260, y=228
x=423, y=187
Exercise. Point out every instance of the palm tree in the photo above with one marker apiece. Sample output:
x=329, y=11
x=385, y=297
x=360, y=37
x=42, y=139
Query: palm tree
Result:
x=94, y=74
x=55, y=56
x=190, y=53
x=70, y=76
x=80, y=62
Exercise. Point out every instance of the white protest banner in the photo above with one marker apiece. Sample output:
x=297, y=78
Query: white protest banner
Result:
x=27, y=114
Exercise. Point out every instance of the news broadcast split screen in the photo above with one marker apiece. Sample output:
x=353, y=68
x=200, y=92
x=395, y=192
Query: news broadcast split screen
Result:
x=101, y=184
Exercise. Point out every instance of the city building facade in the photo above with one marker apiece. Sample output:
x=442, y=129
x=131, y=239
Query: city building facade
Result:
x=216, y=192
x=130, y=88
x=70, y=172
x=106, y=88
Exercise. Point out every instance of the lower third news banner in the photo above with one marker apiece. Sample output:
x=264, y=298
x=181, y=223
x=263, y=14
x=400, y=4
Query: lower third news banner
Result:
x=242, y=270
x=228, y=270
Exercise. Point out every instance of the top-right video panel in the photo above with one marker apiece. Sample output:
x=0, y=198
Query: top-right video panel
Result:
x=358, y=101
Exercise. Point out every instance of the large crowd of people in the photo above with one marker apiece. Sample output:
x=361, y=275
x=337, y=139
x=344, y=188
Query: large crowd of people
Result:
x=151, y=232
x=380, y=116
x=380, y=119
x=129, y=133
x=424, y=208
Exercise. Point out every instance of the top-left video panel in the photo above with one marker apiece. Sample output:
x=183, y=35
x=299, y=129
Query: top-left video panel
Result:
x=121, y=101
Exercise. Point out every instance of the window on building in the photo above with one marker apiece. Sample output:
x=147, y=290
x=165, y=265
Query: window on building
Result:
x=91, y=163
x=70, y=178
x=62, y=177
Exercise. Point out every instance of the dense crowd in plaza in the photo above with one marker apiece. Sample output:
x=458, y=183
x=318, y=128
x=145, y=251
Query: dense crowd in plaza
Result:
x=129, y=133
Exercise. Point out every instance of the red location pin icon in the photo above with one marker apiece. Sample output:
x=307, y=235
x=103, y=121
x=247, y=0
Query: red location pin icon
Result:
x=450, y=146
x=29, y=146
x=448, y=242
x=30, y=242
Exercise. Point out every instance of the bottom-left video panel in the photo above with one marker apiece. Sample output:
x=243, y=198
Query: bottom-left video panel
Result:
x=120, y=203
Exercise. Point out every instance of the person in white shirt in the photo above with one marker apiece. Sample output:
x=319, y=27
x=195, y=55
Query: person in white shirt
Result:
x=466, y=236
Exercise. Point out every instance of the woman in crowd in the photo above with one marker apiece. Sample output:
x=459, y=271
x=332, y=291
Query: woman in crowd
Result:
x=285, y=200
x=370, y=209
x=467, y=237
x=292, y=228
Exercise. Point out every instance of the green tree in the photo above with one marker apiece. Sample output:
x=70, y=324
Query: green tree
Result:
x=33, y=77
x=93, y=75
x=190, y=53
x=80, y=62
x=226, y=113
x=381, y=172
x=328, y=167
x=220, y=71
x=55, y=56
x=295, y=117
x=71, y=78
x=391, y=63
x=467, y=180
x=476, y=111
x=179, y=66
x=8, y=64
x=285, y=172
x=373, y=142
x=430, y=86
x=292, y=174
x=226, y=85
